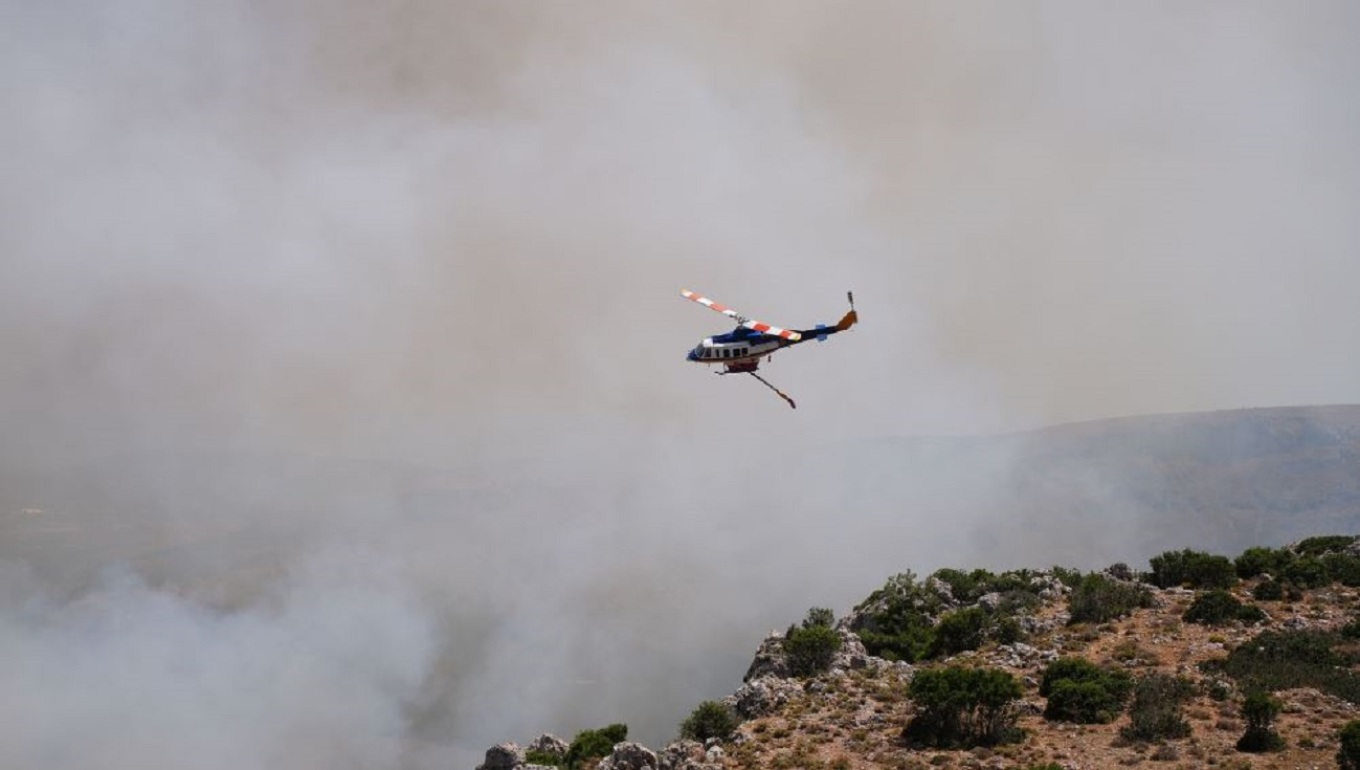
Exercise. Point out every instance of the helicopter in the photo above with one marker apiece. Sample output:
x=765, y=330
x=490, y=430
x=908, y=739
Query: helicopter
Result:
x=740, y=350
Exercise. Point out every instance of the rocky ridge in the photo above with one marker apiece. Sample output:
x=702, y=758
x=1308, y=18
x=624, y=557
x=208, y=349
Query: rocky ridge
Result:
x=852, y=714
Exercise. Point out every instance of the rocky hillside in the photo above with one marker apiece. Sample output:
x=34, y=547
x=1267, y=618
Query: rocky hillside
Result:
x=1179, y=649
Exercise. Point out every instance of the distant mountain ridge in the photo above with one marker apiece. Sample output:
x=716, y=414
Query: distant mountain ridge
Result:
x=1215, y=480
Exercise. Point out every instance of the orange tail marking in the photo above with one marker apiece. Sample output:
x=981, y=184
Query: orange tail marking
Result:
x=849, y=320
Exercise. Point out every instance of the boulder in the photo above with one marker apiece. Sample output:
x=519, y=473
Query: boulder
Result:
x=852, y=654
x=682, y=755
x=629, y=756
x=503, y=756
x=770, y=659
x=762, y=696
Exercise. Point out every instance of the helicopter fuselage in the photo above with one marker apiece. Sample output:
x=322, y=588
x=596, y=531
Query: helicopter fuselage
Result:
x=740, y=350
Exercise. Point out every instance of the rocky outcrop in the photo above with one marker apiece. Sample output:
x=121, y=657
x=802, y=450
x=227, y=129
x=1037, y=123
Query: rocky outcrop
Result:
x=549, y=744
x=769, y=660
x=629, y=756
x=762, y=696
x=503, y=756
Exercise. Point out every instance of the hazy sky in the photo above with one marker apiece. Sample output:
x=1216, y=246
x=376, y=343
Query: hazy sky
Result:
x=453, y=235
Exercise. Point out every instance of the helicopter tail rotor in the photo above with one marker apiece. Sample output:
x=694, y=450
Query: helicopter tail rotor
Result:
x=851, y=318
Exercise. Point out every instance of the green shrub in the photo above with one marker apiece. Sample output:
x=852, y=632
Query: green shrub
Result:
x=591, y=745
x=1212, y=608
x=712, y=719
x=1098, y=599
x=1082, y=702
x=811, y=649
x=968, y=587
x=1268, y=591
x=958, y=631
x=819, y=616
x=1311, y=647
x=1316, y=546
x=961, y=707
x=1067, y=576
x=544, y=758
x=899, y=626
x=1285, y=660
x=1343, y=568
x=1192, y=568
x=1155, y=713
x=1307, y=572
x=1351, y=630
x=964, y=586
x=1250, y=614
x=1260, y=710
x=1007, y=630
x=1255, y=561
x=909, y=644
x=1217, y=607
x=1348, y=756
x=1015, y=600
x=1080, y=691
x=1121, y=571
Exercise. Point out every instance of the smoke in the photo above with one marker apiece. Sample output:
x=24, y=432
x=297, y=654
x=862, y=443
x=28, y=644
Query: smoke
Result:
x=350, y=330
x=317, y=674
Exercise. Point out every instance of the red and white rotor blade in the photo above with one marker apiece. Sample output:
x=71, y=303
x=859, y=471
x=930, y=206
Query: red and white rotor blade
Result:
x=759, y=326
x=773, y=331
x=708, y=303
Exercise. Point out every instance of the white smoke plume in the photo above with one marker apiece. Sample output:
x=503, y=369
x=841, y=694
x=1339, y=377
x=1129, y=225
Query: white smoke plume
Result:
x=345, y=418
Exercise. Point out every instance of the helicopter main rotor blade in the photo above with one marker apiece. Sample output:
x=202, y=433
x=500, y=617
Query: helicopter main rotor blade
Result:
x=749, y=323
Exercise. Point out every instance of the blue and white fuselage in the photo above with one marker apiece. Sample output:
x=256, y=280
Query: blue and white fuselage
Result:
x=739, y=350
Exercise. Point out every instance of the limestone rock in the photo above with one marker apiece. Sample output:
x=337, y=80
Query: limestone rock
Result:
x=686, y=755
x=763, y=695
x=942, y=590
x=990, y=601
x=629, y=756
x=770, y=659
x=502, y=756
x=852, y=654
x=550, y=744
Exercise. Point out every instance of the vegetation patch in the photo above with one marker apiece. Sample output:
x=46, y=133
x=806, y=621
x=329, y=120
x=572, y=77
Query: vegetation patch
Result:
x=1099, y=599
x=1284, y=660
x=1268, y=591
x=961, y=707
x=811, y=648
x=1348, y=755
x=1082, y=692
x=1156, y=711
x=1218, y=607
x=1259, y=561
x=1194, y=569
x=1320, y=544
x=1259, y=711
x=711, y=719
x=590, y=746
